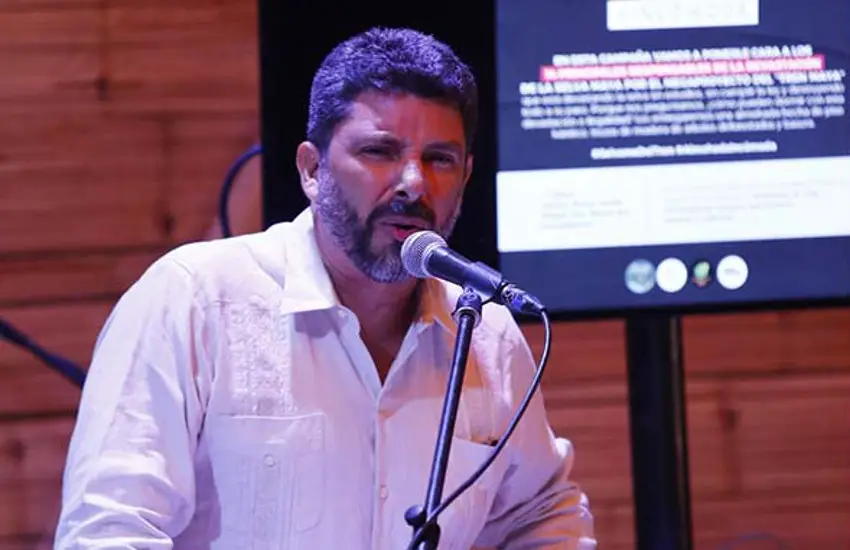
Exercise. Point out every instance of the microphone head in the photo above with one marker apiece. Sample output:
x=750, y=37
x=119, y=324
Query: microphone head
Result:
x=416, y=249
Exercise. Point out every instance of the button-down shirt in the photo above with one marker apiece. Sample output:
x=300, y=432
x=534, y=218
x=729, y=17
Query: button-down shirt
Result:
x=231, y=404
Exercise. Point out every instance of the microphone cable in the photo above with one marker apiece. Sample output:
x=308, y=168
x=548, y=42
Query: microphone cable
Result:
x=227, y=186
x=63, y=366
x=535, y=383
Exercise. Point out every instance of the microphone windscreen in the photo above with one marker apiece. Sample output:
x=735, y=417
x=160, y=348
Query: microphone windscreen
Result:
x=415, y=250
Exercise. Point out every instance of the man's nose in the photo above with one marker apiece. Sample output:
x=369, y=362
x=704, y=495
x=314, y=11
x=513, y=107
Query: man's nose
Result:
x=411, y=185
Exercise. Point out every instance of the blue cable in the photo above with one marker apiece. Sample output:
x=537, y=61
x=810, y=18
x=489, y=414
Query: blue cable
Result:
x=224, y=199
x=67, y=368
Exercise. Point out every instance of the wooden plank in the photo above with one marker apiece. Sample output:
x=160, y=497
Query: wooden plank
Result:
x=69, y=276
x=743, y=436
x=41, y=24
x=26, y=542
x=32, y=457
x=148, y=22
x=67, y=168
x=49, y=55
x=595, y=418
x=740, y=342
x=767, y=342
x=30, y=509
x=792, y=433
x=182, y=56
x=580, y=351
x=245, y=203
x=31, y=387
x=719, y=344
x=13, y=6
x=802, y=520
x=70, y=330
x=819, y=338
x=114, y=181
x=202, y=150
x=33, y=450
x=598, y=429
x=80, y=181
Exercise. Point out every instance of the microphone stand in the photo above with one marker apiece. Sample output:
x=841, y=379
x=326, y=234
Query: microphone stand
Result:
x=467, y=315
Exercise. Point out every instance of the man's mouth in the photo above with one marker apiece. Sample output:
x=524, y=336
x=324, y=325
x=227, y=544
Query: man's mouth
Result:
x=407, y=223
x=402, y=228
x=406, y=226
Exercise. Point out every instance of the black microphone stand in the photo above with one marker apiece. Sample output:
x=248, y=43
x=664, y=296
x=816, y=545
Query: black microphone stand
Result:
x=467, y=315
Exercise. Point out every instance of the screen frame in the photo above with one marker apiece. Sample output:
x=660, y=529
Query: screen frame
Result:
x=693, y=308
x=283, y=108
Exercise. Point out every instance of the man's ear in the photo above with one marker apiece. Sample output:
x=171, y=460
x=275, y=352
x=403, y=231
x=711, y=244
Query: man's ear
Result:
x=307, y=160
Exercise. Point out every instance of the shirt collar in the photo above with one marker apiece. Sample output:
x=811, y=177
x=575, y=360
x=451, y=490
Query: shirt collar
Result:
x=308, y=287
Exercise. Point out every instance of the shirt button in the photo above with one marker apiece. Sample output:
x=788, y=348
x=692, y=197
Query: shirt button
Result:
x=268, y=460
x=384, y=492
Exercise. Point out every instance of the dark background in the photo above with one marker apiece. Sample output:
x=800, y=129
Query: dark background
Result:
x=293, y=43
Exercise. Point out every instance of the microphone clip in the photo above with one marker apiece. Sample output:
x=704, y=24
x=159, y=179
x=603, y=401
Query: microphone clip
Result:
x=469, y=302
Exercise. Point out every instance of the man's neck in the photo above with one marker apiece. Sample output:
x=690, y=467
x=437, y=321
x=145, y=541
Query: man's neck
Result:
x=384, y=310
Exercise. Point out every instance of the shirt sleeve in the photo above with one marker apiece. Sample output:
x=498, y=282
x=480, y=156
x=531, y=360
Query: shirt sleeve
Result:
x=538, y=504
x=129, y=477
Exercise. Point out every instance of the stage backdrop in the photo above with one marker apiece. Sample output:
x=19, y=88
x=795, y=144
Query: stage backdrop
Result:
x=120, y=119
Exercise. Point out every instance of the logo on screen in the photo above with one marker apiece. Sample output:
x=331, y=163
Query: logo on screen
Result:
x=732, y=272
x=640, y=276
x=701, y=274
x=672, y=275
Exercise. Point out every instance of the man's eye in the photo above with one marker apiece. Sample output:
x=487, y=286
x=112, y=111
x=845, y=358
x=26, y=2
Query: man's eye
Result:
x=381, y=152
x=443, y=159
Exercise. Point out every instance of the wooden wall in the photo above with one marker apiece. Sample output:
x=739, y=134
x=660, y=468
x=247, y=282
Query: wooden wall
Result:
x=120, y=119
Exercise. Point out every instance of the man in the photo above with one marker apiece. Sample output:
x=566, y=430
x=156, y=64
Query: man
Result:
x=283, y=389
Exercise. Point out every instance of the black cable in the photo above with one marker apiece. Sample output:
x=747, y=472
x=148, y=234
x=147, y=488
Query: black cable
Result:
x=224, y=197
x=68, y=368
x=544, y=359
x=61, y=365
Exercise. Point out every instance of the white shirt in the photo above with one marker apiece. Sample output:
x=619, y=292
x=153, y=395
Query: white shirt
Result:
x=231, y=404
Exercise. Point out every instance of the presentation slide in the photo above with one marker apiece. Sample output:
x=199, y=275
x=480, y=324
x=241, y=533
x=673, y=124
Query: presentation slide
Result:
x=664, y=152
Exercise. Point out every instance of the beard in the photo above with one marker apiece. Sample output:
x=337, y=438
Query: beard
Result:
x=355, y=236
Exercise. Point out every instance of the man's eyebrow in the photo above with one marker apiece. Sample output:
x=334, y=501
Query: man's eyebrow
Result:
x=388, y=139
x=450, y=146
x=381, y=138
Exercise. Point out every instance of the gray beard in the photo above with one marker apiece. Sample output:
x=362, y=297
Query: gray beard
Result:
x=355, y=237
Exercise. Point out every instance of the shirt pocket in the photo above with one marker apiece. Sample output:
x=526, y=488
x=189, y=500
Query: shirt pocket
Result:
x=269, y=474
x=464, y=519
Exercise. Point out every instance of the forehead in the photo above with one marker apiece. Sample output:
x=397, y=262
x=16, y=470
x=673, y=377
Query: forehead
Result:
x=410, y=118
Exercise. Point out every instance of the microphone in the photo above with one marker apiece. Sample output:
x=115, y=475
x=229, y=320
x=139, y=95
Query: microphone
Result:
x=426, y=254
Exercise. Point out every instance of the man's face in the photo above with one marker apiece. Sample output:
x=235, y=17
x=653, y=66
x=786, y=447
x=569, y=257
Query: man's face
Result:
x=395, y=166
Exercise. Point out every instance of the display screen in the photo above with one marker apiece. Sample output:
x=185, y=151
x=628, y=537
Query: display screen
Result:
x=673, y=152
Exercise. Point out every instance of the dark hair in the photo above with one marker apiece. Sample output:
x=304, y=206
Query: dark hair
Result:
x=392, y=61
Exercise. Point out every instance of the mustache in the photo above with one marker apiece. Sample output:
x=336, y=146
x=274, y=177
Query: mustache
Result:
x=399, y=207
